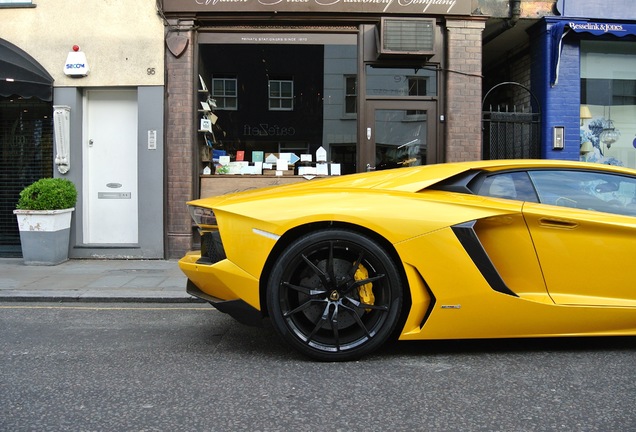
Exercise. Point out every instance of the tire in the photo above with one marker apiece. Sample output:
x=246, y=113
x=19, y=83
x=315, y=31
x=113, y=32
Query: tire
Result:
x=335, y=295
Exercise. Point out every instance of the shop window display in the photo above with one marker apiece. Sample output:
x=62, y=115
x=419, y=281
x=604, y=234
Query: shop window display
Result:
x=608, y=102
x=286, y=100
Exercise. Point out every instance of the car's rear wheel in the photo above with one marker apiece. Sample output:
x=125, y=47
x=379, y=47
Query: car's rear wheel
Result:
x=335, y=295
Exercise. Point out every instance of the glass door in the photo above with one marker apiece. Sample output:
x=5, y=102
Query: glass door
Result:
x=399, y=134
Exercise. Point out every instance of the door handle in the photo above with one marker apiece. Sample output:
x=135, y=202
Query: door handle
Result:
x=557, y=223
x=90, y=143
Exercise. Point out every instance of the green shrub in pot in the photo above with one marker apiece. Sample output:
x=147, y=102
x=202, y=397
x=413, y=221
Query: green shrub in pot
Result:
x=48, y=194
x=43, y=214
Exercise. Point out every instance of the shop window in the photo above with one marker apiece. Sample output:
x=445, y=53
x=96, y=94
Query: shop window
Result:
x=417, y=86
x=281, y=95
x=401, y=82
x=608, y=102
x=351, y=94
x=294, y=99
x=224, y=93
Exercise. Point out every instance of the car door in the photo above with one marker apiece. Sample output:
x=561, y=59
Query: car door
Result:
x=584, y=233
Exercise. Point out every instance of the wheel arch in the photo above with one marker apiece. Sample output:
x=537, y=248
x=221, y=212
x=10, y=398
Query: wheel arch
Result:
x=299, y=231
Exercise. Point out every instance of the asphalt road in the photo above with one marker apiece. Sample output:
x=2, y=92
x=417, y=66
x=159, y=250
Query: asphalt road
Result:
x=140, y=367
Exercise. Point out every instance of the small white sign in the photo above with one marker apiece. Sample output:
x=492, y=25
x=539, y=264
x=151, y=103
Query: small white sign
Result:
x=206, y=125
x=282, y=164
x=152, y=140
x=76, y=64
x=321, y=154
x=305, y=170
x=322, y=169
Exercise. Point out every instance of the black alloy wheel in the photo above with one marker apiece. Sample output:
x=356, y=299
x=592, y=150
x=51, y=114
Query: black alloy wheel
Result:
x=335, y=295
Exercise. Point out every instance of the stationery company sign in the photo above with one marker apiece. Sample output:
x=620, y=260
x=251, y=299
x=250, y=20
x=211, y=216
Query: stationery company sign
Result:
x=428, y=7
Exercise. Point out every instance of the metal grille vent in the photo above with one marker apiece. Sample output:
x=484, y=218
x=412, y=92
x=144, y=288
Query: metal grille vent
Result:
x=407, y=36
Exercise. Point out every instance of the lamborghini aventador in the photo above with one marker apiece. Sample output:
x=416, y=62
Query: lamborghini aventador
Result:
x=488, y=249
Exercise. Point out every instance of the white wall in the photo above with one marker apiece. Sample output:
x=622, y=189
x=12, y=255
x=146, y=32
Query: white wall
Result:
x=122, y=39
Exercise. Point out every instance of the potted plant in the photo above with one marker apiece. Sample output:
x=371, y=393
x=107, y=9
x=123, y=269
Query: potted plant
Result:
x=44, y=218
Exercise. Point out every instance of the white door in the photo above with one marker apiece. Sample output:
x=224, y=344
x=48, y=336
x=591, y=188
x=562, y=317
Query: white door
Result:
x=110, y=167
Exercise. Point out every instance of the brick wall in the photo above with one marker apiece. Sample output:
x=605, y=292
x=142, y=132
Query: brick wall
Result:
x=463, y=90
x=180, y=106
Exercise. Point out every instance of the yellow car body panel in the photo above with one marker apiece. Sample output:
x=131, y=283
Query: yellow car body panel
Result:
x=561, y=233
x=229, y=282
x=393, y=220
x=466, y=307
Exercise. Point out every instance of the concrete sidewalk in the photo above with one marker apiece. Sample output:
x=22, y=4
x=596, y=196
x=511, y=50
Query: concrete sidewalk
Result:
x=94, y=281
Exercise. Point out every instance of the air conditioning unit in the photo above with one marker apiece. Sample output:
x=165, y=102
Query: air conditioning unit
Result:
x=406, y=37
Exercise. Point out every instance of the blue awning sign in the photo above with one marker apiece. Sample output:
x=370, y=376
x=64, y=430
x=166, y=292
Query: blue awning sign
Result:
x=560, y=28
x=599, y=29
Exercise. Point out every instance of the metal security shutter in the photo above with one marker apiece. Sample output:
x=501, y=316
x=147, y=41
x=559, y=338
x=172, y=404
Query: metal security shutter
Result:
x=26, y=155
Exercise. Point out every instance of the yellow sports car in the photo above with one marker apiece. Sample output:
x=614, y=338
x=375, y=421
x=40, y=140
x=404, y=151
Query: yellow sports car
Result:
x=488, y=249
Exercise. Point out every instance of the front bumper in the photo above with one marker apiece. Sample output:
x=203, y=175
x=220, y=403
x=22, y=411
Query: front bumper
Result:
x=237, y=309
x=222, y=281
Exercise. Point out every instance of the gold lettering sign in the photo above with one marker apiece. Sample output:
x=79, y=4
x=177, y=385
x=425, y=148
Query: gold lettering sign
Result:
x=424, y=7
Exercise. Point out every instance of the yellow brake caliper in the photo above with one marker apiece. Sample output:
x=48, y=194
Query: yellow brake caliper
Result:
x=365, y=291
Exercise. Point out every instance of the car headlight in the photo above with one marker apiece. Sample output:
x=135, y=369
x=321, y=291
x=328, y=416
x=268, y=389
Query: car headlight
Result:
x=203, y=217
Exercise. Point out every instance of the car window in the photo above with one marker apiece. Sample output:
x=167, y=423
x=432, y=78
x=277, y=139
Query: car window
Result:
x=509, y=185
x=588, y=190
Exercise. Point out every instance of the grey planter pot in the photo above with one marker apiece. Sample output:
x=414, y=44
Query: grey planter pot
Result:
x=44, y=235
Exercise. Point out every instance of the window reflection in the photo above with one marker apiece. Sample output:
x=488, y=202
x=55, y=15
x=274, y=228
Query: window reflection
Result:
x=586, y=190
x=608, y=96
x=402, y=82
x=268, y=99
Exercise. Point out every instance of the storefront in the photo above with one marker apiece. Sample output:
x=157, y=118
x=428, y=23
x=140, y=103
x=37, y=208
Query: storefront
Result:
x=272, y=92
x=26, y=134
x=585, y=73
x=86, y=103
